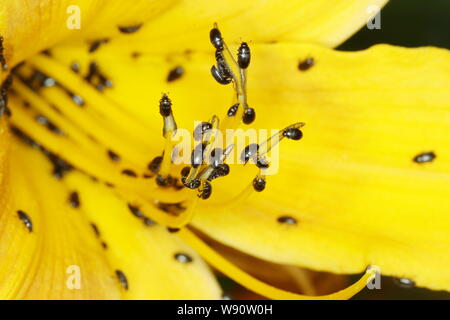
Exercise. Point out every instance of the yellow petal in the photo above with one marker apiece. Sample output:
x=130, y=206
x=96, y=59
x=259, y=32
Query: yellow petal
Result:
x=156, y=263
x=48, y=250
x=351, y=184
x=321, y=22
x=31, y=26
x=116, y=253
x=23, y=117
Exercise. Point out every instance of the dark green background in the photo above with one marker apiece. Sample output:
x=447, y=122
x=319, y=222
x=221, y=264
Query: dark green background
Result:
x=409, y=23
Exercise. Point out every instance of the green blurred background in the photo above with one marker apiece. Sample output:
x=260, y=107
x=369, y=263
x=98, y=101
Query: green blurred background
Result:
x=409, y=23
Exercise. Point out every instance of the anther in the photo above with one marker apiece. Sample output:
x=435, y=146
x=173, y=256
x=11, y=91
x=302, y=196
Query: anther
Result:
x=233, y=110
x=219, y=56
x=185, y=172
x=249, y=152
x=262, y=163
x=249, y=115
x=216, y=157
x=165, y=109
x=223, y=68
x=201, y=129
x=193, y=184
x=293, y=133
x=259, y=184
x=205, y=191
x=219, y=76
x=290, y=132
x=243, y=55
x=216, y=38
x=165, y=106
x=223, y=169
x=197, y=155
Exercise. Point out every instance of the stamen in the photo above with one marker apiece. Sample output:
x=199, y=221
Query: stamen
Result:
x=224, y=74
x=165, y=109
x=256, y=153
x=169, y=129
x=291, y=132
x=67, y=149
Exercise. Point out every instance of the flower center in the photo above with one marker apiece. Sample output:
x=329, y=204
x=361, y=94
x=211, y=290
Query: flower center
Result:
x=208, y=159
x=178, y=180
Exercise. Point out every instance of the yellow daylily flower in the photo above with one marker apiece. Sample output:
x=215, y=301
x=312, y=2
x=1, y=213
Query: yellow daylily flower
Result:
x=367, y=185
